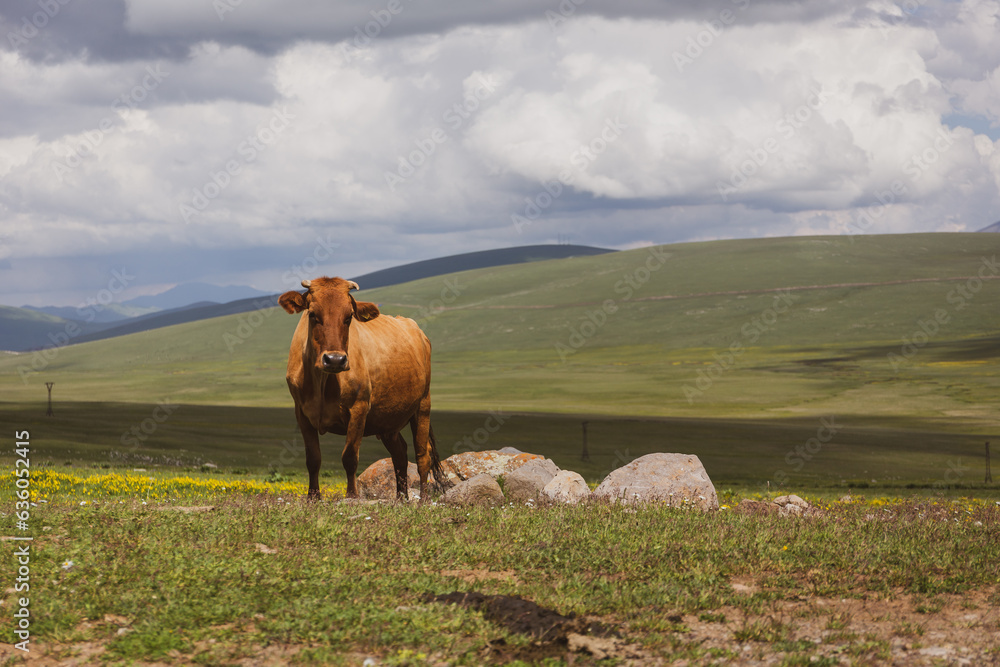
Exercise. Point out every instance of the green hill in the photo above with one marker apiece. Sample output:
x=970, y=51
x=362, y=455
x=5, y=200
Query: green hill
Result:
x=577, y=327
x=887, y=333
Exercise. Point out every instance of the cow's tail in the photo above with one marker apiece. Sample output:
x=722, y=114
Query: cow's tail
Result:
x=439, y=474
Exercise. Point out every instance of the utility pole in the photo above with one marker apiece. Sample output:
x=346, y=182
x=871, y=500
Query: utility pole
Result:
x=585, y=453
x=48, y=413
x=989, y=475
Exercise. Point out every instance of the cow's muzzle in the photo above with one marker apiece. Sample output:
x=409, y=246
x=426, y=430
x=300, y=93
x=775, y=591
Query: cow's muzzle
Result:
x=335, y=362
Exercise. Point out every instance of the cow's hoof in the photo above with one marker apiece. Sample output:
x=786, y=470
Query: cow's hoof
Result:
x=314, y=494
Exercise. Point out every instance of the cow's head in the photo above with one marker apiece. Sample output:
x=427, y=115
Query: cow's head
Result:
x=331, y=310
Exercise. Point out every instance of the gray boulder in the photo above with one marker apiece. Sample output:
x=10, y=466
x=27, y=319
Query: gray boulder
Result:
x=677, y=479
x=479, y=490
x=527, y=482
x=567, y=487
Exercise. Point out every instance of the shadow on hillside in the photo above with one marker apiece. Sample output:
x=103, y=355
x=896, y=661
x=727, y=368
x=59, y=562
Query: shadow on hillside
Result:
x=812, y=451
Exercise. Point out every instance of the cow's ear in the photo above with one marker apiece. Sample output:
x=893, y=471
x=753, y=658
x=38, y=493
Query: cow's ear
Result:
x=292, y=302
x=365, y=310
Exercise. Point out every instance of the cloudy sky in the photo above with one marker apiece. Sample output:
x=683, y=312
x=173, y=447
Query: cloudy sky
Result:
x=238, y=141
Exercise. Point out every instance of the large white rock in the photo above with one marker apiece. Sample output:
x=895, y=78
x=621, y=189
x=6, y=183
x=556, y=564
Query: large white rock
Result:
x=677, y=479
x=479, y=490
x=528, y=481
x=492, y=462
x=567, y=487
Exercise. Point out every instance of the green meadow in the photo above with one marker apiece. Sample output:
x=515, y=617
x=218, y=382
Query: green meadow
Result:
x=169, y=522
x=246, y=578
x=733, y=350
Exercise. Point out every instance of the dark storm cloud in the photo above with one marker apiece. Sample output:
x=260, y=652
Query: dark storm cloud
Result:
x=57, y=30
x=120, y=30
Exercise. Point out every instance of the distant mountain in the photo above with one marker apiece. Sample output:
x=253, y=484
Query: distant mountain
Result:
x=995, y=227
x=29, y=329
x=187, y=293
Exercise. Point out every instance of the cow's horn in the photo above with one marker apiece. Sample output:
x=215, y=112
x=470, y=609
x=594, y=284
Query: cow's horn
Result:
x=306, y=283
x=352, y=285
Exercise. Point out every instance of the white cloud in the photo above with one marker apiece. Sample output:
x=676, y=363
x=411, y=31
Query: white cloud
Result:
x=420, y=145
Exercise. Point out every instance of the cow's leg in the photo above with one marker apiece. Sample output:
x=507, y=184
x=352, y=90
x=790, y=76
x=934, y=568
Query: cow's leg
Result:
x=420, y=425
x=397, y=450
x=313, y=456
x=352, y=446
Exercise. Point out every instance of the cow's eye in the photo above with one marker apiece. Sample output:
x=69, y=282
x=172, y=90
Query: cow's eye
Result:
x=347, y=320
x=314, y=317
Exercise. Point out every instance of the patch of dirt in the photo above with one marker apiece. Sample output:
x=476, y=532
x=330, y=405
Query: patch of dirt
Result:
x=555, y=635
x=899, y=630
x=744, y=585
x=481, y=573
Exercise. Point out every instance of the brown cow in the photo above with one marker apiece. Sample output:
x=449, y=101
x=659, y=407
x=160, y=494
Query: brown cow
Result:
x=354, y=373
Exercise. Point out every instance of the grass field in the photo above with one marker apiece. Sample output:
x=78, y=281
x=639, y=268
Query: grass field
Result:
x=823, y=366
x=137, y=569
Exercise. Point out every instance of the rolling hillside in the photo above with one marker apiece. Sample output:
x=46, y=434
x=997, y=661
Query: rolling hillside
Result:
x=688, y=329
x=738, y=351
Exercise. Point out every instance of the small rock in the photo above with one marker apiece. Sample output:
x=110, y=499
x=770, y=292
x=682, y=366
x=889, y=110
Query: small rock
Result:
x=510, y=450
x=784, y=501
x=479, y=490
x=790, y=510
x=264, y=549
x=567, y=487
x=527, y=482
